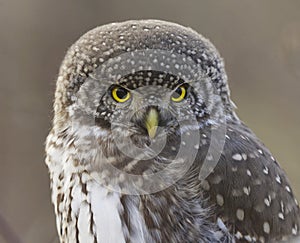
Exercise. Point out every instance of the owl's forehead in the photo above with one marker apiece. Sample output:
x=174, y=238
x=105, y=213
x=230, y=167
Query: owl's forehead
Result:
x=152, y=80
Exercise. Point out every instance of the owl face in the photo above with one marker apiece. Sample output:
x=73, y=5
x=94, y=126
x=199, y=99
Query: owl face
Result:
x=148, y=100
x=146, y=105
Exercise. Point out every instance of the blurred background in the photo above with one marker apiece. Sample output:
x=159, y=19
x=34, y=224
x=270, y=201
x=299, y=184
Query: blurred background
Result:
x=259, y=40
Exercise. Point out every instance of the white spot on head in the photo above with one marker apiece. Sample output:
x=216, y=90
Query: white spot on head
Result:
x=282, y=206
x=266, y=227
x=244, y=156
x=249, y=173
x=295, y=230
x=240, y=214
x=266, y=170
x=278, y=179
x=267, y=202
x=242, y=137
x=220, y=200
x=237, y=157
x=246, y=190
x=281, y=216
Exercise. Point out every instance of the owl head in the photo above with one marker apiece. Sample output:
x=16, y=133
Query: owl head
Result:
x=130, y=91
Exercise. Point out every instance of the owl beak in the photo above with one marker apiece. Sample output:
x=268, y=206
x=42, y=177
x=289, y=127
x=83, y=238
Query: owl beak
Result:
x=151, y=122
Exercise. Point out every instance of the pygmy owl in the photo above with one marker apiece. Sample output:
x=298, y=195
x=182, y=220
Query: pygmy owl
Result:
x=146, y=145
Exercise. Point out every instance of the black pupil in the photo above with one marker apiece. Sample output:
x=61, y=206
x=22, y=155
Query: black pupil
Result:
x=121, y=93
x=177, y=93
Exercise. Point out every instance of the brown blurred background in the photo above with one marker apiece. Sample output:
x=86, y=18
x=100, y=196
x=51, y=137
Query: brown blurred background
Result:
x=260, y=41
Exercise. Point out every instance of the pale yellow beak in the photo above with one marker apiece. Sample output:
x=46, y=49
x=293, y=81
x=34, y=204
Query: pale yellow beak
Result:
x=151, y=122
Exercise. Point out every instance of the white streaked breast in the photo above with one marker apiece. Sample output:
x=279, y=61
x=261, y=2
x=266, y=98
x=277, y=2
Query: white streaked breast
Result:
x=106, y=207
x=84, y=222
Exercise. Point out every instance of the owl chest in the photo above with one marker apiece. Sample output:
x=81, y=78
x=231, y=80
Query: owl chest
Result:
x=89, y=212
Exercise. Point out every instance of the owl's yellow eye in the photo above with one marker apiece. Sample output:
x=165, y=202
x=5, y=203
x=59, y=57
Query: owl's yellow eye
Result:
x=120, y=94
x=179, y=94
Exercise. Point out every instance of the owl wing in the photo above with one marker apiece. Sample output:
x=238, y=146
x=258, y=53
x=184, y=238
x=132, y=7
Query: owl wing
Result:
x=251, y=192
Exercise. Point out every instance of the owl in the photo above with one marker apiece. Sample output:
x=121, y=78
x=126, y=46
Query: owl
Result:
x=146, y=146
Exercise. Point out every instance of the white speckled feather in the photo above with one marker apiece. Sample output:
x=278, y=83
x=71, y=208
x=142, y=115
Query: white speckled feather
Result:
x=106, y=208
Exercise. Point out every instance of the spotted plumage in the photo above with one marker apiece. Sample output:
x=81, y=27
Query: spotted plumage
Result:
x=146, y=145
